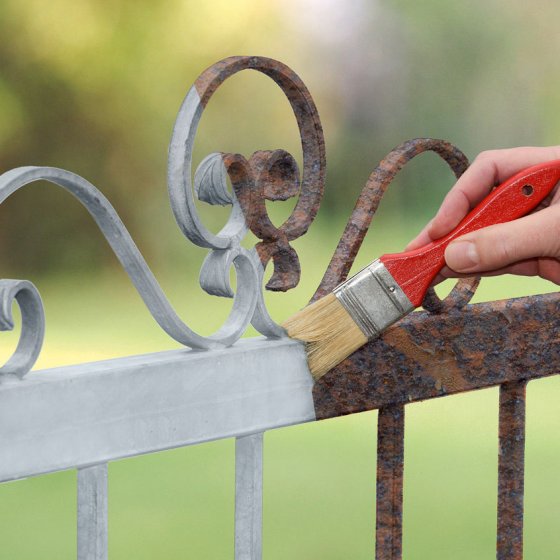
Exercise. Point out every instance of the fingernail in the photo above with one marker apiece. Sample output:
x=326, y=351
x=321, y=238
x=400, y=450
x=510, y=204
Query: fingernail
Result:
x=462, y=256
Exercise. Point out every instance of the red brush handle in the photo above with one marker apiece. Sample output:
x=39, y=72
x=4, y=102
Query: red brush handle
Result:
x=415, y=270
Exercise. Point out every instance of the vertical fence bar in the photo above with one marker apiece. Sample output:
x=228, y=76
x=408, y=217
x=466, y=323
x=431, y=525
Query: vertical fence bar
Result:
x=92, y=513
x=248, y=497
x=511, y=471
x=390, y=469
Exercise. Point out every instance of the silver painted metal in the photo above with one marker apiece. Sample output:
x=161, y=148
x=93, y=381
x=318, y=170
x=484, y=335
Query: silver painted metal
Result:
x=248, y=497
x=210, y=185
x=76, y=416
x=133, y=262
x=373, y=299
x=92, y=513
x=179, y=181
x=32, y=328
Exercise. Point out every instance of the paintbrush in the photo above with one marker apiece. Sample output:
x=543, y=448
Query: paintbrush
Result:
x=362, y=307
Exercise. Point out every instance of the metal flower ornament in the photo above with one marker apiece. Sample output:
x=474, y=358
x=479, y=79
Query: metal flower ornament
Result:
x=266, y=175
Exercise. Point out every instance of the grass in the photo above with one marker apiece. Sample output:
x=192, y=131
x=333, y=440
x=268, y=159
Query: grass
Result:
x=319, y=478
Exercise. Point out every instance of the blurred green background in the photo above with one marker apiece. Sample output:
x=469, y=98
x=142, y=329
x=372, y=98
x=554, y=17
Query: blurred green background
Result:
x=94, y=86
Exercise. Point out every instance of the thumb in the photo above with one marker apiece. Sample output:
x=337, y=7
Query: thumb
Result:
x=500, y=245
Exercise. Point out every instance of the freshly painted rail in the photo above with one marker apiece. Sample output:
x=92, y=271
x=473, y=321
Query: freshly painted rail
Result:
x=86, y=414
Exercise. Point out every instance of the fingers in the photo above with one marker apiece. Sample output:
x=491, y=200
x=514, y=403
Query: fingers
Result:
x=487, y=170
x=529, y=267
x=545, y=267
x=502, y=245
x=549, y=269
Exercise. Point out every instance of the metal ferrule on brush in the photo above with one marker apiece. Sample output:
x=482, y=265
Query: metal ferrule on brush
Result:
x=373, y=299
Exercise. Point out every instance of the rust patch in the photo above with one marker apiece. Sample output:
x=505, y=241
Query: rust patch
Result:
x=439, y=361
x=426, y=356
x=389, y=487
x=511, y=471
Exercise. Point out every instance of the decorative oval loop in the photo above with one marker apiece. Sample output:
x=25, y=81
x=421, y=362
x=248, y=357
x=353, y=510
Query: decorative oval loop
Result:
x=32, y=329
x=367, y=205
x=182, y=141
x=269, y=175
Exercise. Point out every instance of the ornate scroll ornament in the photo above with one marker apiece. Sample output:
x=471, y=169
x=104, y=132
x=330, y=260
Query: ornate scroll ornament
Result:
x=270, y=175
x=265, y=175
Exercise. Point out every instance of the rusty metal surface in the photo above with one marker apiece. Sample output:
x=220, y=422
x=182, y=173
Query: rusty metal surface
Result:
x=511, y=465
x=450, y=347
x=268, y=175
x=427, y=356
x=389, y=488
x=274, y=175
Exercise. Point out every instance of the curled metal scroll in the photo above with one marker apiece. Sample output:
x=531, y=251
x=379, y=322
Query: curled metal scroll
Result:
x=32, y=328
x=273, y=175
x=133, y=262
x=367, y=205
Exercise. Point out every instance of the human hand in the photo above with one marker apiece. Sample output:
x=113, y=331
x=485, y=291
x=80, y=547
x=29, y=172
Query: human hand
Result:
x=528, y=246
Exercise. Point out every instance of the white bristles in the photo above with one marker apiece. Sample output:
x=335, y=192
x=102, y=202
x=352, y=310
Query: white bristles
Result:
x=329, y=332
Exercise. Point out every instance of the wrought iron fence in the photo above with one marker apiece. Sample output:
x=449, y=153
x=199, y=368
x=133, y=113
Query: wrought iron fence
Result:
x=76, y=416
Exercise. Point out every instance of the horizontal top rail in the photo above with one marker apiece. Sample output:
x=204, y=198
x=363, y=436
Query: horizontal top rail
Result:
x=75, y=416
x=80, y=415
